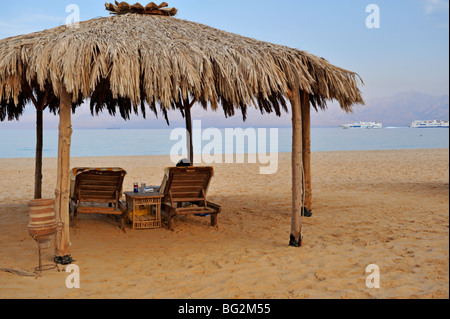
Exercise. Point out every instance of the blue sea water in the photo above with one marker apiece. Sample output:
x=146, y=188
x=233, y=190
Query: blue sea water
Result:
x=22, y=143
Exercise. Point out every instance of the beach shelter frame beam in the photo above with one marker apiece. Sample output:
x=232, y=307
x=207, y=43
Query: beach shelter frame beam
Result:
x=306, y=150
x=62, y=192
x=186, y=108
x=297, y=169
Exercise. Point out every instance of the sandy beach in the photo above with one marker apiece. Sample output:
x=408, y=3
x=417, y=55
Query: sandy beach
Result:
x=389, y=208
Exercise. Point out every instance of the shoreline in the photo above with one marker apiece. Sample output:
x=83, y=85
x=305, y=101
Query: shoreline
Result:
x=224, y=154
x=388, y=208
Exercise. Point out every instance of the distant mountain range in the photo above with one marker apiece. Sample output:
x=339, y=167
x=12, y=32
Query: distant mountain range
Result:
x=398, y=110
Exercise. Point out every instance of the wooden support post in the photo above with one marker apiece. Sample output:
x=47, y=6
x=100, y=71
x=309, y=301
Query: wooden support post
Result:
x=62, y=192
x=297, y=170
x=306, y=132
x=39, y=146
x=39, y=102
x=188, y=117
x=190, y=146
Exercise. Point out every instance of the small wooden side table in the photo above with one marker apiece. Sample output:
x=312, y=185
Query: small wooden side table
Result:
x=151, y=202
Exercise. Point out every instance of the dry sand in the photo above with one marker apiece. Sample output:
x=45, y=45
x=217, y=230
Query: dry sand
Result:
x=389, y=208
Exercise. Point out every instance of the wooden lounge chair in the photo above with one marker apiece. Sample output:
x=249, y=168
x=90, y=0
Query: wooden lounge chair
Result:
x=97, y=191
x=185, y=190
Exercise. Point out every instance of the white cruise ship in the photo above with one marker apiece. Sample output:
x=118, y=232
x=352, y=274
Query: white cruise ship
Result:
x=375, y=125
x=429, y=124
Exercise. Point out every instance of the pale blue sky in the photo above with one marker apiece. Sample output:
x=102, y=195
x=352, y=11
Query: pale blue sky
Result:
x=409, y=52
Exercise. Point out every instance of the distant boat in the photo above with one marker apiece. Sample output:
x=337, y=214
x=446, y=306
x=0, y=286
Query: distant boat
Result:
x=429, y=124
x=368, y=125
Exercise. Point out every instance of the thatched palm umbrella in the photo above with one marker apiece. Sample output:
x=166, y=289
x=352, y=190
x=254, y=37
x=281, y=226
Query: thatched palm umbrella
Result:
x=144, y=55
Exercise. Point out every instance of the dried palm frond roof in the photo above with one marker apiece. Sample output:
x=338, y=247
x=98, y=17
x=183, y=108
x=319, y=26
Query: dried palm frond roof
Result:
x=151, y=8
x=10, y=110
x=129, y=60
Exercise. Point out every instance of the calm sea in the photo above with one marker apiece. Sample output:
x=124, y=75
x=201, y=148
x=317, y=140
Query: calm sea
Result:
x=22, y=143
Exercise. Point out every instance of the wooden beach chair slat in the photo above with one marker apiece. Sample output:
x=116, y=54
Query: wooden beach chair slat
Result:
x=101, y=190
x=185, y=193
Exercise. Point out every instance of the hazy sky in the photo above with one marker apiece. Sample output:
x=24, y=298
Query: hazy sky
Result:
x=408, y=52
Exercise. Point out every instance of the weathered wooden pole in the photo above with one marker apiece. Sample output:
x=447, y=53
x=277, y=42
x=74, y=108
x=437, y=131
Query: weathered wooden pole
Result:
x=186, y=106
x=39, y=146
x=40, y=101
x=297, y=169
x=62, y=191
x=190, y=146
x=306, y=132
